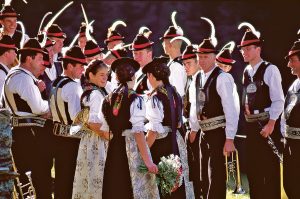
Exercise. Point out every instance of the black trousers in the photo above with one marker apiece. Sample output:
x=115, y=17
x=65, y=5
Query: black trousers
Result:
x=24, y=150
x=45, y=145
x=212, y=164
x=263, y=167
x=291, y=166
x=65, y=154
x=193, y=150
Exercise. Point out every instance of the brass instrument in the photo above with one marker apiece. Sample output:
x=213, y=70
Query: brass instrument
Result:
x=80, y=122
x=25, y=191
x=233, y=168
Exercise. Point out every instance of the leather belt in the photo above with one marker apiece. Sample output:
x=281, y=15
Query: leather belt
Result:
x=292, y=132
x=64, y=131
x=212, y=123
x=257, y=117
x=26, y=121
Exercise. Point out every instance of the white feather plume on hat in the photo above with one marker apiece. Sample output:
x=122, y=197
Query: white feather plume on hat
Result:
x=23, y=33
x=213, y=38
x=251, y=27
x=178, y=29
x=186, y=40
x=145, y=31
x=230, y=45
x=117, y=23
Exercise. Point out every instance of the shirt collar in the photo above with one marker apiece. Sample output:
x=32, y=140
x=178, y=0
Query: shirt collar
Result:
x=6, y=68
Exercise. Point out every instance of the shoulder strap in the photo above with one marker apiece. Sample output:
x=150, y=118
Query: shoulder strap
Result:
x=3, y=69
x=54, y=92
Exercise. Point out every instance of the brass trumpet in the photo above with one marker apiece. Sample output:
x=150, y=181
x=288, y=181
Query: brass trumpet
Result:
x=233, y=168
x=25, y=191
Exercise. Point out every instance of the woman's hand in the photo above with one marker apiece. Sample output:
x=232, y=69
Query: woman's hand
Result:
x=152, y=168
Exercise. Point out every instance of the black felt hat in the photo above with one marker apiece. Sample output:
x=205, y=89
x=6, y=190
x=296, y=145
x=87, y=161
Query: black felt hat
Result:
x=91, y=49
x=75, y=54
x=224, y=57
x=140, y=42
x=6, y=42
x=125, y=61
x=32, y=45
x=55, y=31
x=189, y=53
x=294, y=50
x=206, y=47
x=8, y=11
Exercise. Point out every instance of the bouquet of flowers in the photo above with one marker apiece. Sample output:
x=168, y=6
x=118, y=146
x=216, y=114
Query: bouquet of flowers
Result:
x=169, y=176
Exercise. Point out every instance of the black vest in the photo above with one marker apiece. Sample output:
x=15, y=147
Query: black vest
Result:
x=162, y=96
x=186, y=99
x=48, y=82
x=292, y=108
x=212, y=105
x=119, y=122
x=142, y=84
x=66, y=81
x=17, y=37
x=260, y=99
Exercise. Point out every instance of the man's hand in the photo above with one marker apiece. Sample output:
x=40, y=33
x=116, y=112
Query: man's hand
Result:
x=192, y=136
x=228, y=147
x=47, y=115
x=41, y=85
x=268, y=128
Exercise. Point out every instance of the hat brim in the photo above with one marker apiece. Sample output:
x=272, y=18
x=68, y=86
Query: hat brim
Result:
x=226, y=63
x=288, y=56
x=76, y=61
x=106, y=41
x=252, y=43
x=6, y=16
x=94, y=54
x=125, y=60
x=137, y=49
x=214, y=52
x=22, y=50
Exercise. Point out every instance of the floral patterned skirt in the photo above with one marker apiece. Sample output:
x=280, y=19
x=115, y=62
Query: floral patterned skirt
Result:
x=88, y=180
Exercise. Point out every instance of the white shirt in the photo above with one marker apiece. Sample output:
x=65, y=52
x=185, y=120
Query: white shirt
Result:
x=227, y=91
x=2, y=76
x=294, y=87
x=178, y=77
x=272, y=78
x=137, y=117
x=24, y=86
x=71, y=94
x=51, y=72
x=94, y=103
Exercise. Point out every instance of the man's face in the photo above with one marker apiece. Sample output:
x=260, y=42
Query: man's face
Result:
x=77, y=70
x=143, y=56
x=59, y=43
x=206, y=61
x=191, y=66
x=294, y=65
x=9, y=24
x=225, y=67
x=51, y=53
x=11, y=56
x=82, y=42
x=250, y=53
x=112, y=44
x=36, y=63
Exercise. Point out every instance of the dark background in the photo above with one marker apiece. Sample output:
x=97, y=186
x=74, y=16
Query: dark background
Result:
x=278, y=23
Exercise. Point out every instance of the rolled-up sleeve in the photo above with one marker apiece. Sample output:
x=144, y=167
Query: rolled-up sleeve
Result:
x=226, y=88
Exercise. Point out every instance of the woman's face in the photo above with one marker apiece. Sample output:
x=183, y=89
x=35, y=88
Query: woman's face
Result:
x=100, y=78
